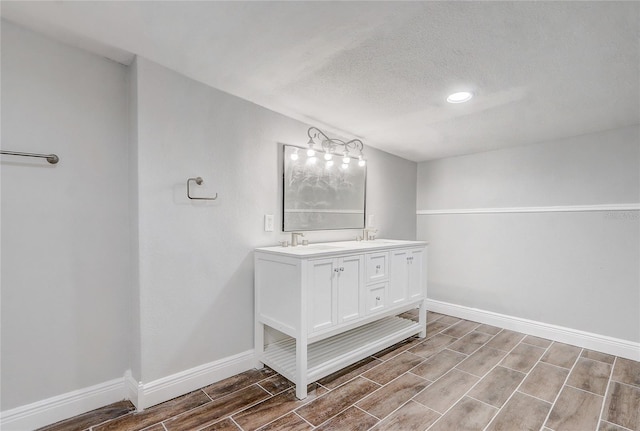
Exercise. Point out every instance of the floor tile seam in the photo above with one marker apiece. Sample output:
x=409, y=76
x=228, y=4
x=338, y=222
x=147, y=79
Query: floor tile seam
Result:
x=598, y=351
x=230, y=393
x=606, y=391
x=624, y=384
x=220, y=419
x=530, y=344
x=485, y=403
x=532, y=396
x=267, y=423
x=206, y=394
x=454, y=351
x=566, y=379
x=595, y=360
x=469, y=390
x=620, y=426
x=300, y=416
x=465, y=394
x=582, y=390
x=366, y=412
x=236, y=423
x=109, y=420
x=383, y=386
x=517, y=389
x=338, y=413
x=366, y=378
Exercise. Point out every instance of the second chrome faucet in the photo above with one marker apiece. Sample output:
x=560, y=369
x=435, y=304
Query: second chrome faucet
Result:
x=294, y=238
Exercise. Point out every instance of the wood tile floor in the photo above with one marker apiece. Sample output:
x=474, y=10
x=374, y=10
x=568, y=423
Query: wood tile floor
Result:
x=465, y=376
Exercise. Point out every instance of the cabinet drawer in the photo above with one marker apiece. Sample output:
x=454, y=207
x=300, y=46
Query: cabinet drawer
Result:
x=377, y=267
x=376, y=297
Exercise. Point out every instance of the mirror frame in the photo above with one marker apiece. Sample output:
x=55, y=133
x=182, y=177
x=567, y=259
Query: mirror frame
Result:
x=286, y=160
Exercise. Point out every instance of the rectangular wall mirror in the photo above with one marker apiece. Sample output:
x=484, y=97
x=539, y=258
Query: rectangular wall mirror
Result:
x=322, y=194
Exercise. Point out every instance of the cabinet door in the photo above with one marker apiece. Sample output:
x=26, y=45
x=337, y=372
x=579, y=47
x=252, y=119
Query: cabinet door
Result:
x=416, y=276
x=350, y=281
x=321, y=294
x=398, y=276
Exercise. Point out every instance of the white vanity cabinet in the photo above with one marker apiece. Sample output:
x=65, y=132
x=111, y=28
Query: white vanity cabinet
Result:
x=337, y=303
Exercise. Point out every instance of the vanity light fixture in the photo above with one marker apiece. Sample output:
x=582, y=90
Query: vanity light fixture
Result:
x=334, y=146
x=460, y=97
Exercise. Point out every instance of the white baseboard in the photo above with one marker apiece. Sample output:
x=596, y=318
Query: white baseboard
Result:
x=588, y=340
x=166, y=388
x=142, y=395
x=60, y=407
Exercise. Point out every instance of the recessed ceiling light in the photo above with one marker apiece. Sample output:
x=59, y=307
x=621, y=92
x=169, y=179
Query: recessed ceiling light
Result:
x=461, y=97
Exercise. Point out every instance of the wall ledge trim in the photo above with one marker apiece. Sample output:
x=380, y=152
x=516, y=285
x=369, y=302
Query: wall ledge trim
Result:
x=560, y=208
x=60, y=407
x=588, y=340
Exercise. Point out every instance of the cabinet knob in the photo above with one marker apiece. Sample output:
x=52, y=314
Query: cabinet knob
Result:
x=341, y=268
x=377, y=266
x=377, y=298
x=336, y=269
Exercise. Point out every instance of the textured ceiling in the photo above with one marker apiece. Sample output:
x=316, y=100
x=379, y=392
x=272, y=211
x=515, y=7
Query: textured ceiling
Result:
x=381, y=71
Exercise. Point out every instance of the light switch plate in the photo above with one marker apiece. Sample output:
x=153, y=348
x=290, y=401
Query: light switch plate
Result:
x=268, y=222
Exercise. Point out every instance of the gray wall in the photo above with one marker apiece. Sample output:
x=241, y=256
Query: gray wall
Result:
x=65, y=252
x=196, y=261
x=107, y=266
x=575, y=269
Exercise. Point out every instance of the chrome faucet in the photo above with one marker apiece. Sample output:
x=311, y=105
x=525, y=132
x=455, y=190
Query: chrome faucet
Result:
x=366, y=233
x=294, y=238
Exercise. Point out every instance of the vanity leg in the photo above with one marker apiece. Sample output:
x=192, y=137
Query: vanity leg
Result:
x=422, y=319
x=301, y=367
x=259, y=343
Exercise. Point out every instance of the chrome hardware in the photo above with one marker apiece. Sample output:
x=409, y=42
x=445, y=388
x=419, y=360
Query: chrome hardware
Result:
x=341, y=268
x=377, y=298
x=294, y=238
x=366, y=233
x=198, y=181
x=51, y=158
x=377, y=266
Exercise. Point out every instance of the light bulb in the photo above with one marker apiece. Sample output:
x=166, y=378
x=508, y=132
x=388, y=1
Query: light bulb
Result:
x=311, y=160
x=361, y=162
x=345, y=165
x=346, y=160
x=328, y=156
x=294, y=156
x=311, y=152
x=329, y=163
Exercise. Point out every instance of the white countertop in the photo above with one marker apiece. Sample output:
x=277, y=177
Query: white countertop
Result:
x=328, y=248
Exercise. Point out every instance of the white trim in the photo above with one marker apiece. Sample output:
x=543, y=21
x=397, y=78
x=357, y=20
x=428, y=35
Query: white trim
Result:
x=166, y=388
x=311, y=210
x=60, y=407
x=142, y=395
x=132, y=388
x=561, y=208
x=588, y=340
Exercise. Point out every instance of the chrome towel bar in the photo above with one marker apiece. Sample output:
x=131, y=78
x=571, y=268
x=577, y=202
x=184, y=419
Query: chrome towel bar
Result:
x=51, y=158
x=198, y=181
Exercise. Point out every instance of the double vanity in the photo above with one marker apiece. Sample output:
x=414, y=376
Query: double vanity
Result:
x=337, y=302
